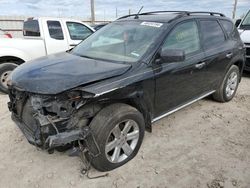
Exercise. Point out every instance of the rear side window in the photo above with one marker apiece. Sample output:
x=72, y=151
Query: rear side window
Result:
x=55, y=30
x=228, y=26
x=31, y=28
x=78, y=31
x=184, y=36
x=212, y=33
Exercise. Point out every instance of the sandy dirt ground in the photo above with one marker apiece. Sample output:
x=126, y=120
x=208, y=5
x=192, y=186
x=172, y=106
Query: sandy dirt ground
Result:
x=204, y=145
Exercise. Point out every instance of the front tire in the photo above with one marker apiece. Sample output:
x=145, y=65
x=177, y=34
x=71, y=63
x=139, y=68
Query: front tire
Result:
x=5, y=71
x=229, y=86
x=118, y=130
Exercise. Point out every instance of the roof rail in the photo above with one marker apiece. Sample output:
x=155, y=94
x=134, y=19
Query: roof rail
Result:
x=154, y=12
x=203, y=12
x=181, y=13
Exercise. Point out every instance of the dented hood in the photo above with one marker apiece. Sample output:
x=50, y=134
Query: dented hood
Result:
x=60, y=72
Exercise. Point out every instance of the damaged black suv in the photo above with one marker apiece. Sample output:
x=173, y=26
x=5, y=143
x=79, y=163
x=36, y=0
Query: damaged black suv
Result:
x=103, y=94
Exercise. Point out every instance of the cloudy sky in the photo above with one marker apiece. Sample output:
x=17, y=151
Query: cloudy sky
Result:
x=106, y=9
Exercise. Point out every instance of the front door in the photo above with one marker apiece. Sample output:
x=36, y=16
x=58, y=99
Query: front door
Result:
x=180, y=82
x=76, y=33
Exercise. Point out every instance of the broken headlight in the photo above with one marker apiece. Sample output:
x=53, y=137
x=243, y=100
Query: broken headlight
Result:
x=62, y=105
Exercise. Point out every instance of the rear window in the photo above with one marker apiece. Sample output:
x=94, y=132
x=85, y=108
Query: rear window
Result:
x=228, y=26
x=212, y=33
x=31, y=28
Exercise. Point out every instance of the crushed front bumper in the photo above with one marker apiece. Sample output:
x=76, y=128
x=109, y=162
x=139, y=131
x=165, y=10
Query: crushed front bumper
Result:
x=34, y=137
x=52, y=141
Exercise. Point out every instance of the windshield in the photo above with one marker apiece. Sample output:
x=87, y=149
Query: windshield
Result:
x=124, y=41
x=247, y=19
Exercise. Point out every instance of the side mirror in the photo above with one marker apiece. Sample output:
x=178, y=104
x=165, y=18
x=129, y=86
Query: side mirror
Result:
x=172, y=55
x=237, y=23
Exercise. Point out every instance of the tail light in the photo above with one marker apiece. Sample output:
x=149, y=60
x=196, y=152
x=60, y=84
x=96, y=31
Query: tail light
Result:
x=7, y=35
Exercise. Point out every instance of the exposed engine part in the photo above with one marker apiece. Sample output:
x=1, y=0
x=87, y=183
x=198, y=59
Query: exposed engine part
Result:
x=51, y=121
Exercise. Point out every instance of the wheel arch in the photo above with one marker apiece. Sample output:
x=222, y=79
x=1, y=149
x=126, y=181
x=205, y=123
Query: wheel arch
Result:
x=240, y=64
x=143, y=108
x=13, y=59
x=137, y=103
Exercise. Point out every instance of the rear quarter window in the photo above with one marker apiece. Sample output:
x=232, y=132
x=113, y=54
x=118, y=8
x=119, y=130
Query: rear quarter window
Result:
x=31, y=28
x=212, y=33
x=228, y=26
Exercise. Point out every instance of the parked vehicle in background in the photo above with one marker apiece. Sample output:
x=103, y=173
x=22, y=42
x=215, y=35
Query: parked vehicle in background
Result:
x=244, y=30
x=4, y=34
x=42, y=36
x=98, y=26
x=104, y=93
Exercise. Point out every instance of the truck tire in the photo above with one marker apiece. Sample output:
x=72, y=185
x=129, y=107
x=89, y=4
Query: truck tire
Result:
x=229, y=86
x=118, y=131
x=5, y=70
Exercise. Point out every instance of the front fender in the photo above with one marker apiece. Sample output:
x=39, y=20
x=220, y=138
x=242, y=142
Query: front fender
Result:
x=136, y=90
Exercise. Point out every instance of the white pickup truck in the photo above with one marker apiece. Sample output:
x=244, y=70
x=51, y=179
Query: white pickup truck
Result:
x=244, y=30
x=42, y=36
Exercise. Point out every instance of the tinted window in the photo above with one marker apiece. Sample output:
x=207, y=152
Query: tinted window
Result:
x=228, y=26
x=31, y=28
x=78, y=31
x=184, y=37
x=212, y=33
x=55, y=30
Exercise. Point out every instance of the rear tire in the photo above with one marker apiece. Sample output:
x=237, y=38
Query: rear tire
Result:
x=229, y=86
x=5, y=70
x=118, y=130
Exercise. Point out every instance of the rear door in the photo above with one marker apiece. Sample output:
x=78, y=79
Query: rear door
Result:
x=76, y=32
x=55, y=39
x=180, y=82
x=218, y=50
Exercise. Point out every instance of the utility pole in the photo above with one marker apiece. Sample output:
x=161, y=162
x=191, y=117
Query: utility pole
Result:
x=235, y=7
x=129, y=11
x=116, y=12
x=92, y=11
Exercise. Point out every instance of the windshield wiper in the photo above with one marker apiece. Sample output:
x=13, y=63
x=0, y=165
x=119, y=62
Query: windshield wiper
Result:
x=85, y=56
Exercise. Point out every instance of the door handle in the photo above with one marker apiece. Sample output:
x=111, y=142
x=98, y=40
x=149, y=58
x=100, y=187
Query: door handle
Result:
x=229, y=55
x=73, y=45
x=200, y=65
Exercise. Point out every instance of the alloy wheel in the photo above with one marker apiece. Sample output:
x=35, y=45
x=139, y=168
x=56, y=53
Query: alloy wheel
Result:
x=122, y=141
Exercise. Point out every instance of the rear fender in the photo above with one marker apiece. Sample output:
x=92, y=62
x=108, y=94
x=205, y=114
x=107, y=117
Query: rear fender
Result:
x=14, y=53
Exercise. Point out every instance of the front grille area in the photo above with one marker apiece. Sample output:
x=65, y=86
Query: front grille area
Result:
x=23, y=115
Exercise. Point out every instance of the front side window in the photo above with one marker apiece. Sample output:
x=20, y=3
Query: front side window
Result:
x=31, y=28
x=185, y=36
x=122, y=41
x=55, y=30
x=212, y=32
x=78, y=31
x=246, y=20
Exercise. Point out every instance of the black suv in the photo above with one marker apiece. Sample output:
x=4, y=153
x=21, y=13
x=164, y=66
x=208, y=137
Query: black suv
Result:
x=103, y=94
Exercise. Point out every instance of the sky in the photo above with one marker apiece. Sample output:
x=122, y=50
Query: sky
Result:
x=106, y=9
